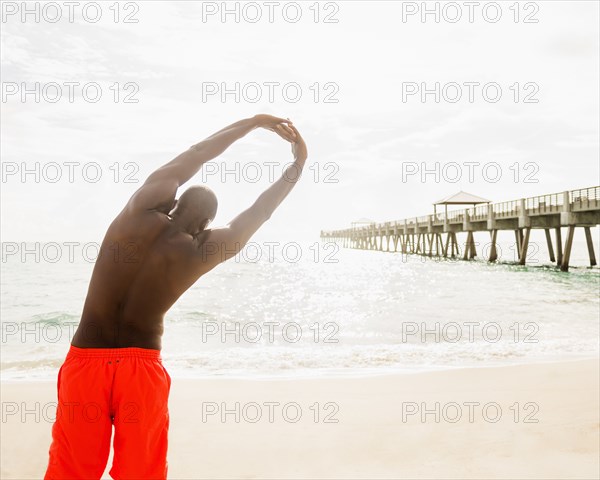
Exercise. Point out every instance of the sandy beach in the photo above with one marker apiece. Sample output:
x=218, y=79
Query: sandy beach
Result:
x=364, y=236
x=529, y=421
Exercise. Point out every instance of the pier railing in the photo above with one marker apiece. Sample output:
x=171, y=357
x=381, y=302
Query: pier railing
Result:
x=506, y=209
x=545, y=203
x=582, y=199
x=423, y=235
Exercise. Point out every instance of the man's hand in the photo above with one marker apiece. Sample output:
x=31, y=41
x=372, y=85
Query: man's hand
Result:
x=298, y=146
x=281, y=126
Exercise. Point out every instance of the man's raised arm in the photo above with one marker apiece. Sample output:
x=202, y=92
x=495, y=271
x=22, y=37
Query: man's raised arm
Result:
x=270, y=199
x=161, y=186
x=226, y=242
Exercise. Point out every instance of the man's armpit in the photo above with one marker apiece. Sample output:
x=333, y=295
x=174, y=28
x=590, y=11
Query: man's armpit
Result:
x=166, y=206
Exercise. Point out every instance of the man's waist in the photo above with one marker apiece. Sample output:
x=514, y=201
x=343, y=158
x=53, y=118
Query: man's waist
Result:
x=124, y=352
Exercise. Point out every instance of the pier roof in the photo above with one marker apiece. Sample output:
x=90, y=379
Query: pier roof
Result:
x=462, y=198
x=363, y=220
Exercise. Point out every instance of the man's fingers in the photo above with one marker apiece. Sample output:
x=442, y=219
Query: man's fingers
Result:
x=267, y=120
x=296, y=132
x=288, y=130
x=281, y=120
x=285, y=130
x=283, y=133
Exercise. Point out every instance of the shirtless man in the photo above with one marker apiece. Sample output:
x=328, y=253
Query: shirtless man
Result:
x=153, y=251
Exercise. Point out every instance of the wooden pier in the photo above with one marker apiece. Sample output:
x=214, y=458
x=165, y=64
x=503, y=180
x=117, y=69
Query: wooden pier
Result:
x=435, y=235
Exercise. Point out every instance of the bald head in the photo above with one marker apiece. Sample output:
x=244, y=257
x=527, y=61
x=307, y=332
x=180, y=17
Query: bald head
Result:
x=196, y=208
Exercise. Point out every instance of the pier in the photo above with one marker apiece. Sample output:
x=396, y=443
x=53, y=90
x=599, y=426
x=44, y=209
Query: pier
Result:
x=435, y=234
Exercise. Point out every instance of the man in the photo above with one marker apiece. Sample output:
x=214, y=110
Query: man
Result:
x=153, y=251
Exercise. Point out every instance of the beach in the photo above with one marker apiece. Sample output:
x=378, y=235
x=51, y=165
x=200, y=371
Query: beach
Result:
x=521, y=421
x=409, y=195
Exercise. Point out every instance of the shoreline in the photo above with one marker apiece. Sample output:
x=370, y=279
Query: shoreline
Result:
x=548, y=427
x=337, y=374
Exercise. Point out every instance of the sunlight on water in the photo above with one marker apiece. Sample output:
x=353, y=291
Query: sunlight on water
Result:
x=342, y=311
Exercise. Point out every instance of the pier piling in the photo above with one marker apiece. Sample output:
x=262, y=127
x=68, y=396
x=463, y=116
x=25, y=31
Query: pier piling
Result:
x=570, y=209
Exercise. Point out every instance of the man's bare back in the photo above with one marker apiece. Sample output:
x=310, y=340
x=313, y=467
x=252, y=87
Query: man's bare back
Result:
x=157, y=247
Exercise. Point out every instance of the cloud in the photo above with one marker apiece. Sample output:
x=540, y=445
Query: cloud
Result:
x=367, y=135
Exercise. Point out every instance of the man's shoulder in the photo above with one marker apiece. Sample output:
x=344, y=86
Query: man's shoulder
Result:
x=139, y=223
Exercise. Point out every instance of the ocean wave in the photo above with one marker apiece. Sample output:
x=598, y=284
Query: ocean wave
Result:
x=59, y=318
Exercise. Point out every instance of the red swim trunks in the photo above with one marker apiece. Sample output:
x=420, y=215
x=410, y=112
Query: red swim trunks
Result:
x=102, y=387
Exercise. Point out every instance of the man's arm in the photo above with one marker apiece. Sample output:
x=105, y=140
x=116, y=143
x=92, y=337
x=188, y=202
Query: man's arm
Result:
x=224, y=243
x=158, y=192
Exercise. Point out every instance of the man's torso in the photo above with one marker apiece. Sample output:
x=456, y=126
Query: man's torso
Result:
x=143, y=267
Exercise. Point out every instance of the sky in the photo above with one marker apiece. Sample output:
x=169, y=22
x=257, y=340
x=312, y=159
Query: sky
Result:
x=357, y=78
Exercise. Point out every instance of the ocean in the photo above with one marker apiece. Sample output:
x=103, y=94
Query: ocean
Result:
x=309, y=309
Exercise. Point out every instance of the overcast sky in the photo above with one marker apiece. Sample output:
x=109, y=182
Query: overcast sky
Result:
x=353, y=73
